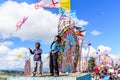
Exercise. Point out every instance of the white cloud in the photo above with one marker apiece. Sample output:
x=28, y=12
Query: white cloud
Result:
x=114, y=56
x=80, y=23
x=9, y=59
x=7, y=43
x=90, y=51
x=103, y=48
x=4, y=50
x=96, y=33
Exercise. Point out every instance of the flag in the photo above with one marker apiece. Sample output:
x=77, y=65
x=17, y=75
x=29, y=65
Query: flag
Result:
x=65, y=4
x=79, y=31
x=98, y=50
x=89, y=44
x=79, y=34
x=70, y=13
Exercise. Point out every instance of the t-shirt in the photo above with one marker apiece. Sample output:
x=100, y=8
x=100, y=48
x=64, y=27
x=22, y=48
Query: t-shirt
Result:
x=105, y=77
x=37, y=54
x=96, y=70
x=111, y=70
x=55, y=46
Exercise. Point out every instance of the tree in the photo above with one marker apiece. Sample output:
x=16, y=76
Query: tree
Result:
x=91, y=63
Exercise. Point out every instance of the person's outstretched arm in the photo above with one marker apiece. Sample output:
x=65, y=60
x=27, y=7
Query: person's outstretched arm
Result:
x=32, y=52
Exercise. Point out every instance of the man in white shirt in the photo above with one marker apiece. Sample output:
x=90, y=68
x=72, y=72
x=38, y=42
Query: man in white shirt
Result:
x=111, y=70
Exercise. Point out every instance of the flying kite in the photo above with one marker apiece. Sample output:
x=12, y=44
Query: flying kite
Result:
x=20, y=23
x=20, y=56
x=64, y=4
x=47, y=4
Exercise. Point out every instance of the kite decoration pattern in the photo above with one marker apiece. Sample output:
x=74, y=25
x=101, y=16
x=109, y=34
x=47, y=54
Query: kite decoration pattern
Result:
x=69, y=45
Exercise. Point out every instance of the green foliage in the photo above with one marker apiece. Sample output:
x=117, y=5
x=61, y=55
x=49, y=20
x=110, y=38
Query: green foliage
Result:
x=91, y=63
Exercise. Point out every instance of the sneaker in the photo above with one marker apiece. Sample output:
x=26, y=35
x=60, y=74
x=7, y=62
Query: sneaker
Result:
x=37, y=75
x=56, y=75
x=40, y=74
x=33, y=75
x=51, y=74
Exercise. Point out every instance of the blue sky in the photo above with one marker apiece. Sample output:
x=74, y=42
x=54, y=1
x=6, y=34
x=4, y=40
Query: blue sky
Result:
x=102, y=16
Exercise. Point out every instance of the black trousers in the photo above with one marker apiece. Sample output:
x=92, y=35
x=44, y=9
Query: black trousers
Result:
x=54, y=64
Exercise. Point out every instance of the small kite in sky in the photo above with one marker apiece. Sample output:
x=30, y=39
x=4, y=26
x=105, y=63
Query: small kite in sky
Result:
x=20, y=23
x=20, y=56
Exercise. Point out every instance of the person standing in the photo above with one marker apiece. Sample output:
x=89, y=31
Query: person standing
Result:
x=27, y=67
x=96, y=70
x=37, y=59
x=55, y=49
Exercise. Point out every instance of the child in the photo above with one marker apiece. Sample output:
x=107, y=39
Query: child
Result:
x=27, y=68
x=55, y=48
x=37, y=59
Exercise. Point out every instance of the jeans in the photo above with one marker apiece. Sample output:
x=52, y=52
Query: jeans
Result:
x=38, y=67
x=54, y=64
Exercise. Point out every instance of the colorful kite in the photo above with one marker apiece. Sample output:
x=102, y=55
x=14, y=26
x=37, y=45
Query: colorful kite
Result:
x=47, y=4
x=20, y=56
x=20, y=23
x=80, y=33
x=64, y=4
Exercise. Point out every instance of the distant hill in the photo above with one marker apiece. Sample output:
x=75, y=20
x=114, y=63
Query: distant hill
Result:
x=11, y=73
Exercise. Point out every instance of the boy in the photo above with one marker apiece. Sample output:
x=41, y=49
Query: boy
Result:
x=37, y=59
x=55, y=48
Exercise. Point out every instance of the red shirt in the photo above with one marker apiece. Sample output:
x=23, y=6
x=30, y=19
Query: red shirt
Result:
x=96, y=70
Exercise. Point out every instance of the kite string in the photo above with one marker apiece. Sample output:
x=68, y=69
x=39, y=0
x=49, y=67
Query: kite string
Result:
x=5, y=39
x=18, y=26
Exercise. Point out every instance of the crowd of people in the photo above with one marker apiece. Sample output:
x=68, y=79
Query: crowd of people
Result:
x=106, y=73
